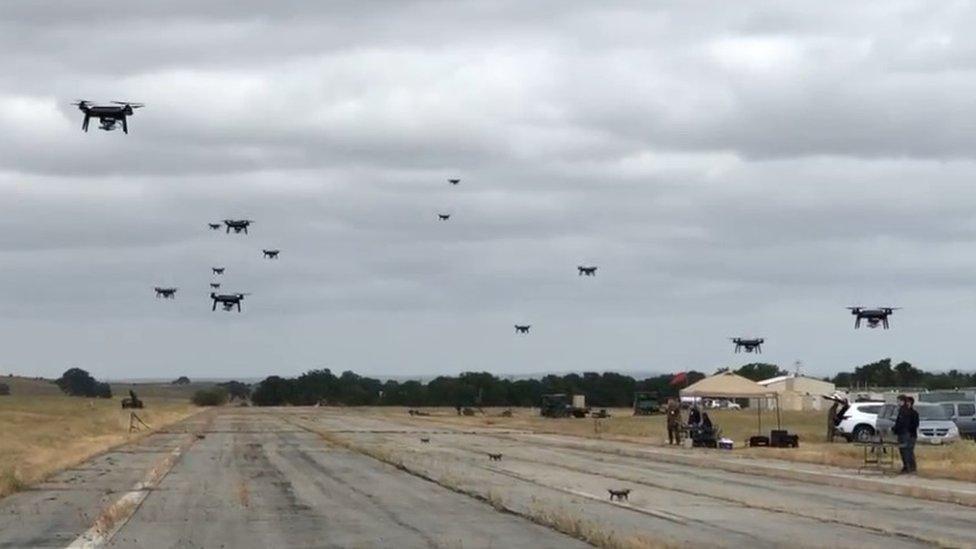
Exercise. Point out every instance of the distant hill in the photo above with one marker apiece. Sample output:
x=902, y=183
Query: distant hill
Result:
x=30, y=386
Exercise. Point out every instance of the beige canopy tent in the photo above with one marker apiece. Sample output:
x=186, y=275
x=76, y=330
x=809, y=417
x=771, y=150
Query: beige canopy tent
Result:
x=729, y=385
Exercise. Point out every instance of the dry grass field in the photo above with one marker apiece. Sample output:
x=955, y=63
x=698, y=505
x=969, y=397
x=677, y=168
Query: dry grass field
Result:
x=43, y=431
x=955, y=461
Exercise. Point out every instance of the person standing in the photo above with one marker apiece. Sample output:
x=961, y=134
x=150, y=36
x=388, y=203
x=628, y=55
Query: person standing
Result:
x=906, y=428
x=673, y=412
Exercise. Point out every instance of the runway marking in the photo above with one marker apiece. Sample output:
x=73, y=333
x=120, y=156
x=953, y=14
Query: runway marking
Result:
x=115, y=516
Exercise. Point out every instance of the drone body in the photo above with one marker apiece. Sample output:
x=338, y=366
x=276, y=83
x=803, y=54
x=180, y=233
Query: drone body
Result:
x=522, y=328
x=588, y=271
x=165, y=293
x=453, y=181
x=214, y=226
x=237, y=224
x=108, y=115
x=874, y=317
x=271, y=254
x=217, y=270
x=443, y=217
x=215, y=285
x=227, y=301
x=749, y=345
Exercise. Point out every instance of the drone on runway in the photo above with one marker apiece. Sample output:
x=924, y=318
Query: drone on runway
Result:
x=108, y=115
x=218, y=270
x=271, y=254
x=237, y=224
x=588, y=271
x=873, y=316
x=227, y=301
x=522, y=329
x=750, y=345
x=165, y=293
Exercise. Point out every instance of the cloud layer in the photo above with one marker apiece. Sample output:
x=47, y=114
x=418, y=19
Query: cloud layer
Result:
x=739, y=170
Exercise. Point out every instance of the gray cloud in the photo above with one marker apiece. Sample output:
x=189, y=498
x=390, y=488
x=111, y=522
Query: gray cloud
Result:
x=732, y=169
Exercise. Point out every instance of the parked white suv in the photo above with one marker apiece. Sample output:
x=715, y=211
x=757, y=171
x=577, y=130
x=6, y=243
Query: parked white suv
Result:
x=935, y=425
x=859, y=422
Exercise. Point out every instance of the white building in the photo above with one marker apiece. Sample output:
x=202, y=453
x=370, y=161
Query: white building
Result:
x=798, y=392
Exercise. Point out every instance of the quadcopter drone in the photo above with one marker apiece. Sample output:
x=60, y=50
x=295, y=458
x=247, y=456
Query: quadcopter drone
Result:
x=237, y=224
x=271, y=254
x=215, y=285
x=750, y=345
x=453, y=181
x=588, y=271
x=873, y=316
x=214, y=226
x=520, y=329
x=443, y=217
x=218, y=270
x=108, y=115
x=227, y=301
x=165, y=293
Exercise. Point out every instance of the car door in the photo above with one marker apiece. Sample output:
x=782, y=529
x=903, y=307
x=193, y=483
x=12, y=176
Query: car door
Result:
x=965, y=418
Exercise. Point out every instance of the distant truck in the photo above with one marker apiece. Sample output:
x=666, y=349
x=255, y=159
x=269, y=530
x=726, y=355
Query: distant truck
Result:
x=646, y=403
x=563, y=405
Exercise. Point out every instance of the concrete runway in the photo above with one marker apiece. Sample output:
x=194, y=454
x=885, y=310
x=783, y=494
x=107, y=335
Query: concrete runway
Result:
x=318, y=477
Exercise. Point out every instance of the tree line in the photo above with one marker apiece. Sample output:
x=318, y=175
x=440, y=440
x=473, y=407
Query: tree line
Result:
x=903, y=374
x=468, y=389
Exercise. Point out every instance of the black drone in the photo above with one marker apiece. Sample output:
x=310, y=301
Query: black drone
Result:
x=215, y=285
x=214, y=226
x=218, y=270
x=520, y=329
x=227, y=301
x=271, y=254
x=453, y=181
x=165, y=293
x=108, y=115
x=873, y=316
x=237, y=224
x=443, y=217
x=588, y=271
x=750, y=345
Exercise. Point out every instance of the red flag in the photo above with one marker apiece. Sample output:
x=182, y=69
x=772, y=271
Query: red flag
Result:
x=678, y=379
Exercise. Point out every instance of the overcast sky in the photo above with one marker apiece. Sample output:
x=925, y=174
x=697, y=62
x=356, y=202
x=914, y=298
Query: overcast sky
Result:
x=734, y=168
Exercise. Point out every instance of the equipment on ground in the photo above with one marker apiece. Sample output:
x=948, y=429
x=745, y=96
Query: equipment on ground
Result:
x=562, y=405
x=132, y=401
x=108, y=115
x=646, y=403
x=873, y=316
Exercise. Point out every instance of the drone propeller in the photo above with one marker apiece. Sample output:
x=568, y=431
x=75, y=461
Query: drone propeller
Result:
x=128, y=104
x=81, y=102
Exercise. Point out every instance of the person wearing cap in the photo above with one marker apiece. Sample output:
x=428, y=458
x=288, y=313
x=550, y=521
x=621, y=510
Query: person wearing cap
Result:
x=906, y=428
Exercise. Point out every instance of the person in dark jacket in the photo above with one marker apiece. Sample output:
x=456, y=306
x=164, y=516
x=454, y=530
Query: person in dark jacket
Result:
x=694, y=417
x=906, y=428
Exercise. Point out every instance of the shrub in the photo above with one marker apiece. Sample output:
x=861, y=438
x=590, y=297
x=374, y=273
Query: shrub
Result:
x=215, y=396
x=4, y=389
x=78, y=382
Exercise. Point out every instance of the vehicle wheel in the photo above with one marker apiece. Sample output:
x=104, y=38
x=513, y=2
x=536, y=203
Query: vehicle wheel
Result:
x=862, y=433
